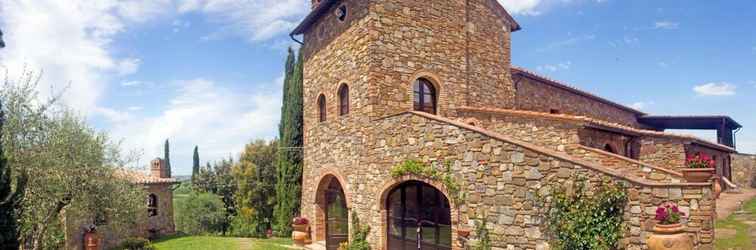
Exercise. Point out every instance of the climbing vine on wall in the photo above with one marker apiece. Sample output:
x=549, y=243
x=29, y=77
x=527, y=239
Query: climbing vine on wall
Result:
x=413, y=167
x=581, y=217
x=484, y=240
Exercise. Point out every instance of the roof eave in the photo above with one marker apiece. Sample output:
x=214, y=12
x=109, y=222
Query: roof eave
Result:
x=586, y=94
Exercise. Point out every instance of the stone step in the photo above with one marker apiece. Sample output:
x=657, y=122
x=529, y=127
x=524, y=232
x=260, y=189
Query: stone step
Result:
x=317, y=245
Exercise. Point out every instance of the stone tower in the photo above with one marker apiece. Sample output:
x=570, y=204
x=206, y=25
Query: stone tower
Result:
x=379, y=48
x=158, y=168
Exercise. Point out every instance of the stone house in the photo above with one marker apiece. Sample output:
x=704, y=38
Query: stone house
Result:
x=395, y=80
x=157, y=219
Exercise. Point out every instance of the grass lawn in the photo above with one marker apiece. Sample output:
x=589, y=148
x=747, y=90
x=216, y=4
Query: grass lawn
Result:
x=220, y=243
x=742, y=238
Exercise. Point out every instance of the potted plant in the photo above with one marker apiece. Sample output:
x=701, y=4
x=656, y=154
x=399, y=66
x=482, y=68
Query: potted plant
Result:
x=668, y=233
x=300, y=232
x=464, y=232
x=699, y=168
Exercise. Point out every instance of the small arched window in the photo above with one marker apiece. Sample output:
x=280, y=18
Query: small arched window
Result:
x=321, y=108
x=609, y=148
x=152, y=205
x=343, y=99
x=424, y=96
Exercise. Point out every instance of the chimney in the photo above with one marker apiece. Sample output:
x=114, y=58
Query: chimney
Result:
x=158, y=169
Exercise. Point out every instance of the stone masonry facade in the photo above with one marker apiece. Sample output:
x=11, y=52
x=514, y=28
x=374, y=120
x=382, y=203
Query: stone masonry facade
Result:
x=148, y=225
x=507, y=132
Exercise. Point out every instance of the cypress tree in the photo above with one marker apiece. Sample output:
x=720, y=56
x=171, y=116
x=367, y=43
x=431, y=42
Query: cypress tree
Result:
x=167, y=158
x=9, y=200
x=196, y=165
x=289, y=162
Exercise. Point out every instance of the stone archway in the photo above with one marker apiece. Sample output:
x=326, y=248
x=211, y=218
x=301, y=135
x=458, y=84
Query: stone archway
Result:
x=332, y=213
x=412, y=205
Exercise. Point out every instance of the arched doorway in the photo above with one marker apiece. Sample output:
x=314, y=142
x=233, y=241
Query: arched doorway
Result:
x=419, y=217
x=336, y=216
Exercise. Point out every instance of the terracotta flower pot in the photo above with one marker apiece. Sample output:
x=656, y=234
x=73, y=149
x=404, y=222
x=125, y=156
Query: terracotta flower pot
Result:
x=669, y=237
x=299, y=238
x=698, y=174
x=300, y=228
x=464, y=232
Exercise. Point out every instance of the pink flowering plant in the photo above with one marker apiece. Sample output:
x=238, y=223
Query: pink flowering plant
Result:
x=300, y=221
x=668, y=214
x=700, y=161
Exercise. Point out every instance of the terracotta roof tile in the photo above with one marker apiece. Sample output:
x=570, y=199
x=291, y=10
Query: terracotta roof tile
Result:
x=141, y=178
x=593, y=121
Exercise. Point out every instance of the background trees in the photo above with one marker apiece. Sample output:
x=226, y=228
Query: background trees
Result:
x=69, y=165
x=255, y=177
x=289, y=162
x=195, y=163
x=201, y=213
x=9, y=199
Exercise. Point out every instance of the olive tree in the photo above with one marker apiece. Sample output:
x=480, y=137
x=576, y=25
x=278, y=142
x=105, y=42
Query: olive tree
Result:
x=70, y=166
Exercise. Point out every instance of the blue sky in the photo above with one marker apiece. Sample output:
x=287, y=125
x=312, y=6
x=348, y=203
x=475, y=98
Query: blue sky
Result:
x=209, y=72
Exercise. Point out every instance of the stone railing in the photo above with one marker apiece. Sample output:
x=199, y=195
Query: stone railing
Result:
x=626, y=165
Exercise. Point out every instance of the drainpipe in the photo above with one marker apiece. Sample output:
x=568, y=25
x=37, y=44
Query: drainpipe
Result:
x=295, y=39
x=2, y=43
x=734, y=138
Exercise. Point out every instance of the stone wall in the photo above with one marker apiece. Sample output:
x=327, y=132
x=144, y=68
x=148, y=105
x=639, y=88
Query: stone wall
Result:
x=501, y=178
x=463, y=47
x=163, y=223
x=537, y=96
x=621, y=144
x=548, y=132
x=663, y=152
x=76, y=223
x=744, y=170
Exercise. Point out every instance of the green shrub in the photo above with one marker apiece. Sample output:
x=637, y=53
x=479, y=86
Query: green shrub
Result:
x=359, y=236
x=135, y=244
x=201, y=213
x=586, y=218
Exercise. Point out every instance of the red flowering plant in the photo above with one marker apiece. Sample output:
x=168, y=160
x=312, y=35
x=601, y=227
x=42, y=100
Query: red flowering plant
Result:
x=668, y=214
x=699, y=161
x=300, y=221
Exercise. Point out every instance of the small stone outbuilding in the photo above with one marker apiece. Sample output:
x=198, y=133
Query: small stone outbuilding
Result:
x=156, y=221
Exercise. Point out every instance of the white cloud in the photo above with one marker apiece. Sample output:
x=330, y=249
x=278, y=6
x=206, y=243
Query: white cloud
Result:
x=667, y=25
x=555, y=67
x=568, y=42
x=629, y=40
x=218, y=119
x=135, y=108
x=521, y=7
x=71, y=42
x=538, y=7
x=257, y=20
x=128, y=66
x=112, y=115
x=715, y=89
x=133, y=83
x=663, y=64
x=641, y=105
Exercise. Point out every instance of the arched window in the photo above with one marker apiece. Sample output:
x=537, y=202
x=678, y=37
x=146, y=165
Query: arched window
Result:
x=322, y=108
x=610, y=149
x=424, y=96
x=152, y=205
x=343, y=99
